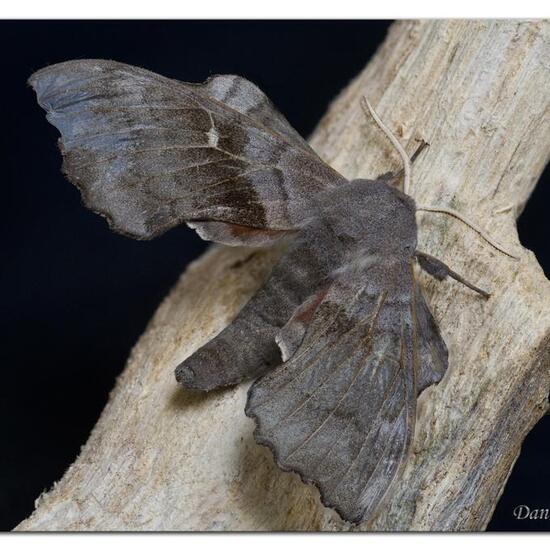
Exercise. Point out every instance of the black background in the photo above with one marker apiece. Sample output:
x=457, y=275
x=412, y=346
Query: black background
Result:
x=75, y=297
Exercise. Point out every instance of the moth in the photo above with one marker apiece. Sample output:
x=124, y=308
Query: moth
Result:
x=339, y=339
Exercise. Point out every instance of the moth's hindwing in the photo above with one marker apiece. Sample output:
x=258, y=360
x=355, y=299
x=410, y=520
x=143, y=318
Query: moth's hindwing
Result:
x=341, y=410
x=247, y=348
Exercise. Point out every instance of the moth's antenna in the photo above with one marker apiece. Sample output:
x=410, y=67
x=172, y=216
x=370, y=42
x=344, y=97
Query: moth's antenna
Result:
x=469, y=223
x=368, y=109
x=407, y=168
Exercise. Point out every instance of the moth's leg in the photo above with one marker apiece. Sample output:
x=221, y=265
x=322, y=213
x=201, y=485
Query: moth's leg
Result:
x=391, y=178
x=436, y=268
x=423, y=144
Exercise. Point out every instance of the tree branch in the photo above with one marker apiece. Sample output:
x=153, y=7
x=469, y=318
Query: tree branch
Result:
x=160, y=458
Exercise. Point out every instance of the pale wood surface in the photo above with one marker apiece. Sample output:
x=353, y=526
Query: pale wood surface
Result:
x=162, y=459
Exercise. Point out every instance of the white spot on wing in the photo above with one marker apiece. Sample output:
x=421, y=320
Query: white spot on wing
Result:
x=213, y=137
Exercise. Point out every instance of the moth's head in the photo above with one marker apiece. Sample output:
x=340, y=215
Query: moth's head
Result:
x=381, y=195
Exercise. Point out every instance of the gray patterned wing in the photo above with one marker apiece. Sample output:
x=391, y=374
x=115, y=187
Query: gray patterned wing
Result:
x=340, y=411
x=247, y=348
x=241, y=95
x=148, y=152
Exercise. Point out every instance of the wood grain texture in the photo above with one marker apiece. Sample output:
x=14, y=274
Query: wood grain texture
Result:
x=163, y=459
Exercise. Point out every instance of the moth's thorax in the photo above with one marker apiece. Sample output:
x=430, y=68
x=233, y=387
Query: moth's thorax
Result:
x=374, y=217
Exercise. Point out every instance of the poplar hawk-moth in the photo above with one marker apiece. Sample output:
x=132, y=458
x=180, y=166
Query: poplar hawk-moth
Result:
x=339, y=339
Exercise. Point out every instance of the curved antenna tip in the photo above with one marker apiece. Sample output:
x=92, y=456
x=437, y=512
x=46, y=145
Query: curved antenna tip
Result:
x=470, y=224
x=369, y=109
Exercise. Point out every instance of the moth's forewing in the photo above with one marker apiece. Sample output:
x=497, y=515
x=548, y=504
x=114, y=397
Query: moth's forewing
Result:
x=148, y=152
